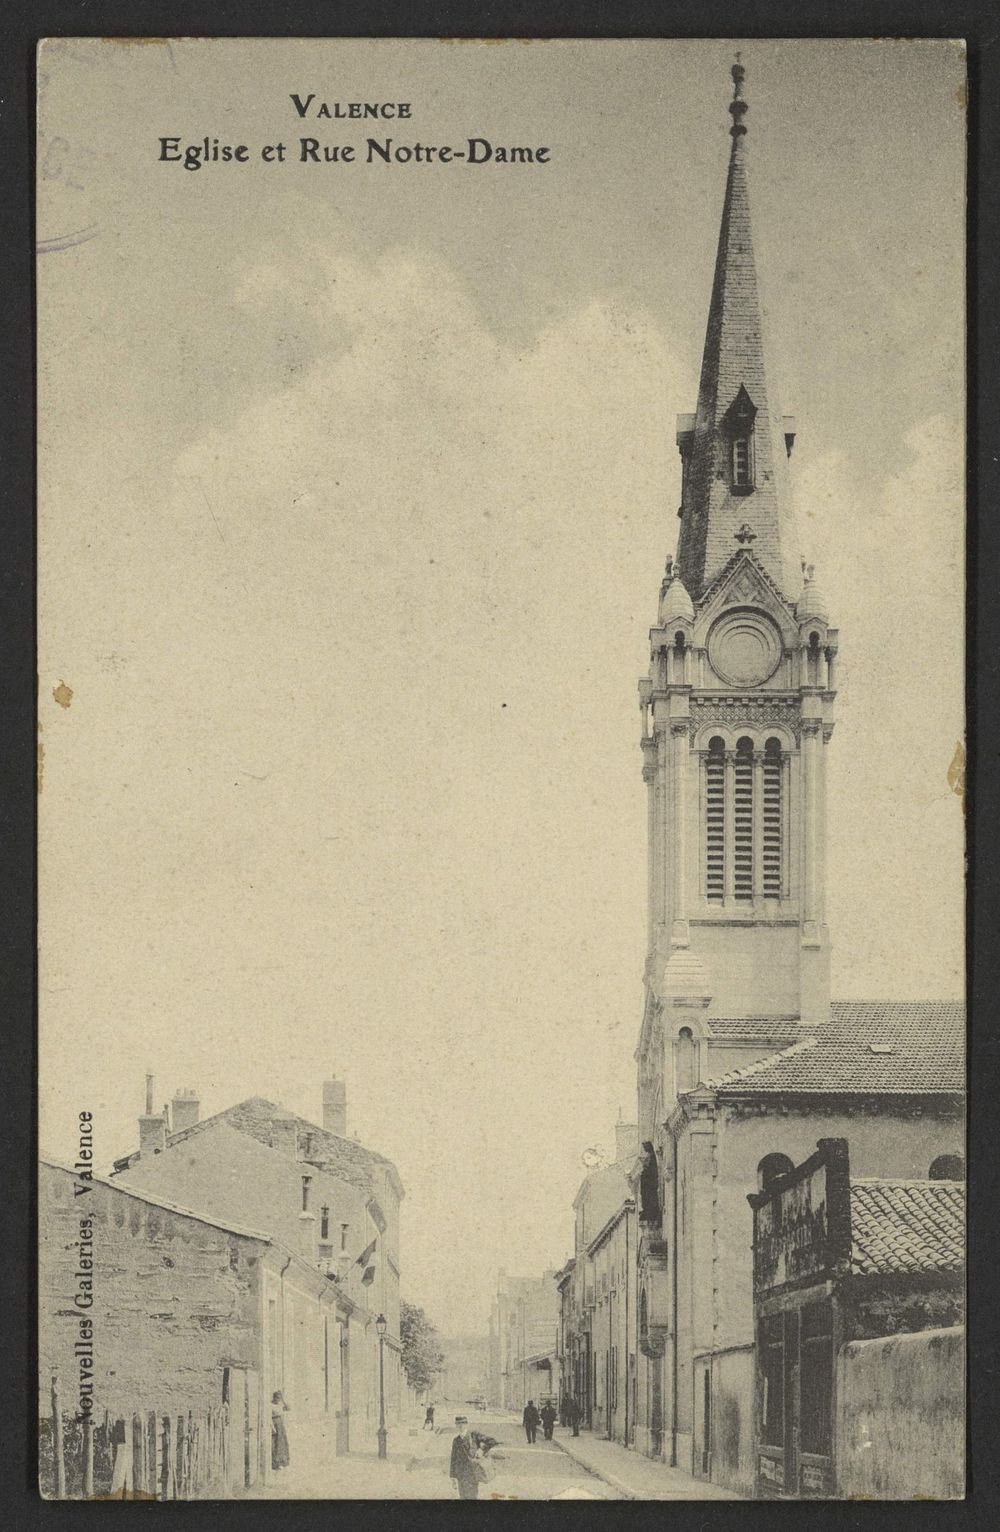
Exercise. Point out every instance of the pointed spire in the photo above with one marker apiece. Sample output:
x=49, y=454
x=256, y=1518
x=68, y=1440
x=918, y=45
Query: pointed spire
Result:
x=736, y=460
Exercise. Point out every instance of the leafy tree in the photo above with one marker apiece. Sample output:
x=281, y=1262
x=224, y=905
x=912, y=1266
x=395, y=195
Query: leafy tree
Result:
x=422, y=1356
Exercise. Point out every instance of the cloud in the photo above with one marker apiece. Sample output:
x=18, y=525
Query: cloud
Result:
x=386, y=626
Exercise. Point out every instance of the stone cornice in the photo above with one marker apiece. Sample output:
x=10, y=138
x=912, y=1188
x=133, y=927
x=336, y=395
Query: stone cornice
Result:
x=704, y=1103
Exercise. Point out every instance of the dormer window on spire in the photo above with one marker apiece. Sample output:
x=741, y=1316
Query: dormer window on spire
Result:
x=742, y=469
x=738, y=423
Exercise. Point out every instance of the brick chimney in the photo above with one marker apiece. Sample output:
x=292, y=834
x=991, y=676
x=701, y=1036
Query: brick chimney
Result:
x=626, y=1141
x=285, y=1136
x=185, y=1108
x=152, y=1126
x=335, y=1106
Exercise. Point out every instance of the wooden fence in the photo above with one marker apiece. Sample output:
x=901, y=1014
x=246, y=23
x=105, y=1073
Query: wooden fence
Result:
x=150, y=1455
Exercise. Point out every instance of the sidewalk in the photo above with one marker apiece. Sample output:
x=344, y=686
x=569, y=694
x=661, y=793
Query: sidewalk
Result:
x=634, y=1476
x=415, y=1469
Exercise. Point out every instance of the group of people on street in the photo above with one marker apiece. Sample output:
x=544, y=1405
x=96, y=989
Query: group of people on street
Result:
x=570, y=1414
x=533, y=1417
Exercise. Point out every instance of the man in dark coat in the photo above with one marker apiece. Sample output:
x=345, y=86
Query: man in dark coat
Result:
x=530, y=1420
x=548, y=1419
x=463, y=1461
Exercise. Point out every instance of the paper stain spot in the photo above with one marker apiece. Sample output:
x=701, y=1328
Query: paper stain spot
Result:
x=956, y=773
x=63, y=694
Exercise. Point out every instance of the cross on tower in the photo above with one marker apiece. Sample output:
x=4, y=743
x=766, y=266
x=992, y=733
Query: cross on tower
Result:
x=746, y=534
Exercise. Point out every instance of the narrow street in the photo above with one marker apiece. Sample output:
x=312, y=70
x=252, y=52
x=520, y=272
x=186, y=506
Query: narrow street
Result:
x=417, y=1466
x=538, y=1472
x=580, y=1468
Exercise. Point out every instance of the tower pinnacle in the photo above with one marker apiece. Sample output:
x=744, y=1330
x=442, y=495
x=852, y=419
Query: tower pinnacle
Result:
x=738, y=107
x=733, y=449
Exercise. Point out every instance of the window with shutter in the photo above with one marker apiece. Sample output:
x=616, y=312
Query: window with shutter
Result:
x=715, y=794
x=772, y=820
x=743, y=823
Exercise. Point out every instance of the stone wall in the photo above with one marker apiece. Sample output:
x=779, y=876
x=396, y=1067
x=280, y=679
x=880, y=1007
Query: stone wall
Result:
x=175, y=1299
x=901, y=1417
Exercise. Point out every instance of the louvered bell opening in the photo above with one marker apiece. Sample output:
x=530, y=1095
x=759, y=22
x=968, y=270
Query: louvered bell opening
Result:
x=743, y=823
x=772, y=820
x=715, y=797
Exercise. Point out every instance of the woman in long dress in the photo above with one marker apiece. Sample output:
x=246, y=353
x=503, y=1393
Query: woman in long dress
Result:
x=279, y=1436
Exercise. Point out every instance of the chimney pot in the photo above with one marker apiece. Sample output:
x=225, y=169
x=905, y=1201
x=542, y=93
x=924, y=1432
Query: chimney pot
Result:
x=149, y=1095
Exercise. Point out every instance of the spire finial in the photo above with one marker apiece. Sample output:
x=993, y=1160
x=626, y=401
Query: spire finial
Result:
x=738, y=107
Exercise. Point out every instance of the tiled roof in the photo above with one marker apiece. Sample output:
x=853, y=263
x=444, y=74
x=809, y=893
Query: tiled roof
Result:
x=900, y=1226
x=343, y=1157
x=877, y=1047
x=778, y=1029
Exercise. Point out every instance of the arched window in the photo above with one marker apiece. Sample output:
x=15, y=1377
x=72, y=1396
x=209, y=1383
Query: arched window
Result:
x=715, y=811
x=770, y=1167
x=686, y=1055
x=744, y=839
x=649, y=1188
x=743, y=822
x=947, y=1167
x=813, y=658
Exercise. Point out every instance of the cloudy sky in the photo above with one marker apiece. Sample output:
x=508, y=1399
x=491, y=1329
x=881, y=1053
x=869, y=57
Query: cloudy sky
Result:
x=356, y=487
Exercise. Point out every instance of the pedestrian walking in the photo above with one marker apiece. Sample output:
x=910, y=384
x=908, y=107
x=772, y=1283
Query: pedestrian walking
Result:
x=573, y=1415
x=530, y=1420
x=548, y=1418
x=280, y=1455
x=463, y=1468
x=429, y=1418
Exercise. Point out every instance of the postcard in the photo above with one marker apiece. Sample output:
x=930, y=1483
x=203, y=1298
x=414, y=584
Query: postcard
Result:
x=464, y=1072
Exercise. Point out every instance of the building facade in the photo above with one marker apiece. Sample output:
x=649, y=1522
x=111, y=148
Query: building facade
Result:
x=317, y=1191
x=842, y=1265
x=597, y=1320
x=743, y=1061
x=523, y=1345
x=165, y=1333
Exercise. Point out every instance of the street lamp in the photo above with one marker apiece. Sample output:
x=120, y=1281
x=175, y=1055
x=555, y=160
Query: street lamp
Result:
x=381, y=1325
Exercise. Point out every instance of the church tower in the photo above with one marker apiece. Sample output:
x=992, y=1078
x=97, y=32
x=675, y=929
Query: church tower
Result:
x=737, y=713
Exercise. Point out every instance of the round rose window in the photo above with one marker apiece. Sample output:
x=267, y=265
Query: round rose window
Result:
x=744, y=648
